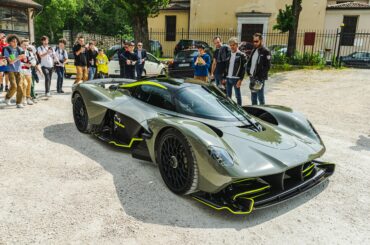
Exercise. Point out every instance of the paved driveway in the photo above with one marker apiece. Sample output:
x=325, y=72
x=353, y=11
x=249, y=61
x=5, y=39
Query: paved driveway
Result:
x=59, y=186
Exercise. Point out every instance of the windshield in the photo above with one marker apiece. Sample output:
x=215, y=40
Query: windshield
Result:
x=186, y=54
x=210, y=103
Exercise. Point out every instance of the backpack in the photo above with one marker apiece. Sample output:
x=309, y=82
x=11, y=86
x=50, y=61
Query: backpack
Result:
x=63, y=54
x=10, y=50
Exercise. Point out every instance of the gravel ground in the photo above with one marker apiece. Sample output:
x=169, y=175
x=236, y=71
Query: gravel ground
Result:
x=58, y=186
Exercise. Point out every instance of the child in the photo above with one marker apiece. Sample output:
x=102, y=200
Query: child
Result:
x=102, y=63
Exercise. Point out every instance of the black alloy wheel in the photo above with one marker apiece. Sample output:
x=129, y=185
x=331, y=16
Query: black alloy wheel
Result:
x=177, y=163
x=80, y=115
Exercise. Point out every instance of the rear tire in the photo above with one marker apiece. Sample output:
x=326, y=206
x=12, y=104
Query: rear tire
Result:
x=80, y=115
x=177, y=162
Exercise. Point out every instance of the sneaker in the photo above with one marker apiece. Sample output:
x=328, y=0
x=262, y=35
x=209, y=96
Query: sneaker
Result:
x=29, y=101
x=19, y=106
x=7, y=102
x=61, y=91
x=24, y=101
x=48, y=94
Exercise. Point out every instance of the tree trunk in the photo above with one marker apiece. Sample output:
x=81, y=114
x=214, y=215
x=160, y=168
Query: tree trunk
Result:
x=141, y=33
x=292, y=40
x=51, y=38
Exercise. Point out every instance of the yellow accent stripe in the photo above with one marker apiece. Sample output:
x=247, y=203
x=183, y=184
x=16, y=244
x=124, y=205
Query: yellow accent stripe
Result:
x=135, y=84
x=227, y=208
x=309, y=168
x=126, y=146
x=243, y=180
x=119, y=124
x=250, y=192
x=309, y=173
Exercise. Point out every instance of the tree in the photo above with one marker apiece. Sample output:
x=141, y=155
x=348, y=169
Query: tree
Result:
x=287, y=21
x=51, y=20
x=137, y=12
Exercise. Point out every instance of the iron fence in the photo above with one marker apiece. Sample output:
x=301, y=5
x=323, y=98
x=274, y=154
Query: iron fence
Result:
x=329, y=43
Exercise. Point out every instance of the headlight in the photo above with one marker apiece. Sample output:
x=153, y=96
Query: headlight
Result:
x=221, y=156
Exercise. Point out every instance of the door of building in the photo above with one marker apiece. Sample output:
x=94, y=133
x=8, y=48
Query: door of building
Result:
x=248, y=30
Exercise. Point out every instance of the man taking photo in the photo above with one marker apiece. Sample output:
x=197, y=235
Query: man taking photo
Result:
x=80, y=53
x=258, y=68
x=47, y=56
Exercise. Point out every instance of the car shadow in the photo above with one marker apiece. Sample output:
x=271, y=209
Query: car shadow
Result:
x=362, y=144
x=144, y=196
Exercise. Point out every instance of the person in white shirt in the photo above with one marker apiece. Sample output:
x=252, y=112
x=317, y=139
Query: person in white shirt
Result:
x=61, y=57
x=235, y=70
x=47, y=56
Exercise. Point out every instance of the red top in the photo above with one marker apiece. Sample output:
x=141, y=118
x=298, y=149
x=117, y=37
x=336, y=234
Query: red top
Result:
x=2, y=45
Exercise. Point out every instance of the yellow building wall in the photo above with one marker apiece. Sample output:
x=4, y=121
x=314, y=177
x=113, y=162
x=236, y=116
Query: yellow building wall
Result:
x=222, y=14
x=157, y=29
x=159, y=22
x=334, y=18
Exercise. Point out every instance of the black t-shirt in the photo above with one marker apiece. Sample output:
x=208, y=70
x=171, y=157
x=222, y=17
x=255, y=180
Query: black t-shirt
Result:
x=220, y=65
x=81, y=59
x=131, y=56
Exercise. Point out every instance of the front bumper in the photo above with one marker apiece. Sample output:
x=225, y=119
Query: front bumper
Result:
x=244, y=196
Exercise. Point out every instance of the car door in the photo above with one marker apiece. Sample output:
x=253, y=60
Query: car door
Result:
x=113, y=66
x=152, y=66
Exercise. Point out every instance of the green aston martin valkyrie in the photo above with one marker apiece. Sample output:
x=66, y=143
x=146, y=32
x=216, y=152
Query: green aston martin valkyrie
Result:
x=225, y=156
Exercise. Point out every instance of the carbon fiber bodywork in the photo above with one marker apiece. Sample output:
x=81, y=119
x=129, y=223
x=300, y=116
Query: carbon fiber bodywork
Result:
x=286, y=144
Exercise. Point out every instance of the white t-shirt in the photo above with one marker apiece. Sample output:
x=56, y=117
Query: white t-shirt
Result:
x=254, y=62
x=47, y=60
x=231, y=65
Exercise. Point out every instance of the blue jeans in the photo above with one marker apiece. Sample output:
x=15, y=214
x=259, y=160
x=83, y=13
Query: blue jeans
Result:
x=230, y=83
x=218, y=79
x=60, y=72
x=139, y=70
x=92, y=71
x=259, y=96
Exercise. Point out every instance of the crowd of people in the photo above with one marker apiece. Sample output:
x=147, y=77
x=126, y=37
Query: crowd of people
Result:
x=231, y=66
x=21, y=64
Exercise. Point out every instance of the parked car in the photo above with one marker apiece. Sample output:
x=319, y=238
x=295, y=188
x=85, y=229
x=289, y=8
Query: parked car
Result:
x=357, y=59
x=152, y=66
x=278, y=48
x=191, y=44
x=182, y=65
x=156, y=49
x=70, y=68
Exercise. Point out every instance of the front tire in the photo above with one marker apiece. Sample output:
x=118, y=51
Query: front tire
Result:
x=80, y=115
x=177, y=163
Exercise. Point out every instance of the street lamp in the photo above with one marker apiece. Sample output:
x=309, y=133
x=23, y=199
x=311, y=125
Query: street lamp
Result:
x=340, y=42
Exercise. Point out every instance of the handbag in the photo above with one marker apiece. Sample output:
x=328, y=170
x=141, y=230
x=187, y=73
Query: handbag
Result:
x=255, y=85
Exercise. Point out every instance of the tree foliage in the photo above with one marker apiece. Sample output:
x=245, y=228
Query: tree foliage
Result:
x=94, y=16
x=53, y=16
x=138, y=12
x=287, y=21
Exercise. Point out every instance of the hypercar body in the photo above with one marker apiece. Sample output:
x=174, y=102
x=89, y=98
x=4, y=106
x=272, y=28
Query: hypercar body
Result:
x=223, y=155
